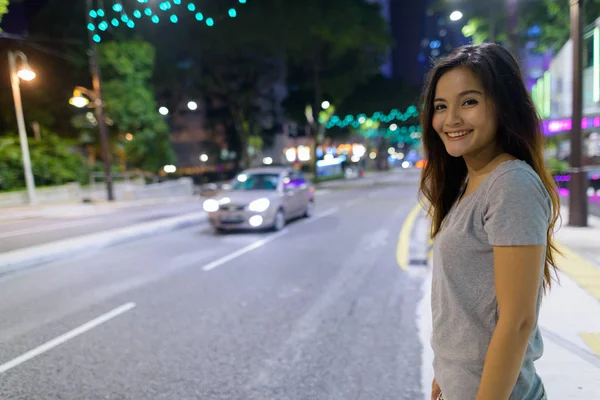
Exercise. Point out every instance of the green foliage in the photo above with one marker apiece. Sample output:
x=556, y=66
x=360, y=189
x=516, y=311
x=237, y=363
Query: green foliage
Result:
x=342, y=46
x=557, y=167
x=552, y=16
x=53, y=161
x=127, y=68
x=3, y=8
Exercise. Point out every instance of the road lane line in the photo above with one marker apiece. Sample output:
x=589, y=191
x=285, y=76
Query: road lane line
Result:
x=48, y=228
x=402, y=250
x=261, y=242
x=66, y=337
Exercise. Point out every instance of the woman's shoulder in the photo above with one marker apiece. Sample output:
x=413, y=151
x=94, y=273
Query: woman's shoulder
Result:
x=515, y=183
x=514, y=174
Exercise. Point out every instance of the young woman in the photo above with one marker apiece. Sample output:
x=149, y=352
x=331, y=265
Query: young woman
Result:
x=493, y=208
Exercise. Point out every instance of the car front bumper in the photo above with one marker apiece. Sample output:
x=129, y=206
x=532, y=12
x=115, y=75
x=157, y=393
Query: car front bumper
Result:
x=229, y=220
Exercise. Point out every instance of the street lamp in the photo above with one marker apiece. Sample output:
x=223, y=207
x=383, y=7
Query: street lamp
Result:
x=204, y=158
x=192, y=105
x=325, y=105
x=78, y=100
x=163, y=111
x=456, y=15
x=25, y=73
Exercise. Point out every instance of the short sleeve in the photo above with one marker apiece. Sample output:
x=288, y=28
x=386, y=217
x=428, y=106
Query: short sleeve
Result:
x=518, y=210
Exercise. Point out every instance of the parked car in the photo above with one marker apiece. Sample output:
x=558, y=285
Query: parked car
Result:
x=262, y=198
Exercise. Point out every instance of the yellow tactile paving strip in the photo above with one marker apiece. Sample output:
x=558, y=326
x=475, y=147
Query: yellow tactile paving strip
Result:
x=592, y=340
x=580, y=270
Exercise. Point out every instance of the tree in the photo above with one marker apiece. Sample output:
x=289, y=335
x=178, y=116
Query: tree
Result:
x=53, y=160
x=3, y=8
x=553, y=19
x=546, y=22
x=342, y=46
x=127, y=67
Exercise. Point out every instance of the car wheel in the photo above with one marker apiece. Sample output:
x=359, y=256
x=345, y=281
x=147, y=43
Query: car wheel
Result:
x=310, y=209
x=279, y=223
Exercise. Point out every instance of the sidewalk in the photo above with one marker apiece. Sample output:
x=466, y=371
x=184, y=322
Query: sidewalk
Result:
x=82, y=209
x=569, y=318
x=375, y=178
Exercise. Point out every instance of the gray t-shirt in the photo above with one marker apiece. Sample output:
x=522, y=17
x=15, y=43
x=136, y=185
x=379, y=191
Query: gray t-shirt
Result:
x=511, y=207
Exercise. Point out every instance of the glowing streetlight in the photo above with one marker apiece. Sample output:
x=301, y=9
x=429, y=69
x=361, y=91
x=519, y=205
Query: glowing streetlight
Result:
x=192, y=105
x=169, y=169
x=325, y=105
x=163, y=111
x=393, y=127
x=204, y=158
x=78, y=100
x=456, y=15
x=25, y=73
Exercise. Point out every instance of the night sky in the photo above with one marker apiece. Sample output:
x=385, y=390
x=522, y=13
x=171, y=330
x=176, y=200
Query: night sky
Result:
x=18, y=15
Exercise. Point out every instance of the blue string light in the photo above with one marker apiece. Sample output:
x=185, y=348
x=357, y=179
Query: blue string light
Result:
x=358, y=120
x=163, y=6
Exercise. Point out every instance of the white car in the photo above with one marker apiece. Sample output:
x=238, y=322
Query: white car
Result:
x=261, y=198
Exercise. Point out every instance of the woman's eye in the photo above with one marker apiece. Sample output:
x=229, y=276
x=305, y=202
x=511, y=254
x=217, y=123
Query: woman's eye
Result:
x=470, y=102
x=438, y=107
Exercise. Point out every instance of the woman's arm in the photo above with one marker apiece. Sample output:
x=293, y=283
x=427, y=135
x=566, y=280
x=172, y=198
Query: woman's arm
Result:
x=517, y=274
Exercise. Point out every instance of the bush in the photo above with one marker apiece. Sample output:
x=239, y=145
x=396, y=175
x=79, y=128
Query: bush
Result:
x=53, y=162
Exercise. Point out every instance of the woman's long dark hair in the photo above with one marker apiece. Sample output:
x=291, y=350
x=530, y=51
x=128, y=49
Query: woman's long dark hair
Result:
x=519, y=134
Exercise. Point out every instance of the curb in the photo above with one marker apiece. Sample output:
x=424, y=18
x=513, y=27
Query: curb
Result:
x=54, y=251
x=53, y=209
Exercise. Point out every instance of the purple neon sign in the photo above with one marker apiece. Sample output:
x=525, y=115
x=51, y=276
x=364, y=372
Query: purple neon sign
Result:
x=556, y=126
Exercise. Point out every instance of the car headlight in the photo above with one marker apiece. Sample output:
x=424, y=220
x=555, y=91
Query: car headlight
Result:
x=259, y=205
x=211, y=205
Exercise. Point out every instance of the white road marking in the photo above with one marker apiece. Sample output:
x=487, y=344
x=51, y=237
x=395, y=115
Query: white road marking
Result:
x=261, y=242
x=66, y=337
x=47, y=228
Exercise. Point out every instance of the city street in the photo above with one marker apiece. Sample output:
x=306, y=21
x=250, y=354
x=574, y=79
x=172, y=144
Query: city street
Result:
x=320, y=310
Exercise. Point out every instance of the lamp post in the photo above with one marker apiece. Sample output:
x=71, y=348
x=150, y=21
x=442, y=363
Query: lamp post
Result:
x=578, y=207
x=26, y=74
x=96, y=82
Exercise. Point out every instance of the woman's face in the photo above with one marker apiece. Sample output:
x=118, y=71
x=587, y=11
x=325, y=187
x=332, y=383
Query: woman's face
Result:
x=464, y=115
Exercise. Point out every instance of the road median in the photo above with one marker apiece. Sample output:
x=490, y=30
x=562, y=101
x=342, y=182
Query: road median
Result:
x=32, y=256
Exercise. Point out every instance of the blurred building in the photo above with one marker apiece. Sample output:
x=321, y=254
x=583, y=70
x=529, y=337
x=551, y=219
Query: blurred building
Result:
x=553, y=90
x=386, y=68
x=420, y=36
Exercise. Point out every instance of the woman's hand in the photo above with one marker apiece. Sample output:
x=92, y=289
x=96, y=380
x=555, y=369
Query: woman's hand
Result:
x=435, y=390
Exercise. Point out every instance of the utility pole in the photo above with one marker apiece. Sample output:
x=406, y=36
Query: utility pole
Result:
x=96, y=82
x=578, y=207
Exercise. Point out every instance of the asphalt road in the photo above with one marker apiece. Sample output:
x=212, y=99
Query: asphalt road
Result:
x=34, y=231
x=318, y=311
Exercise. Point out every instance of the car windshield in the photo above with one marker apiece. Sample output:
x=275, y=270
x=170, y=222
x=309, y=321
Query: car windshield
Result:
x=255, y=182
